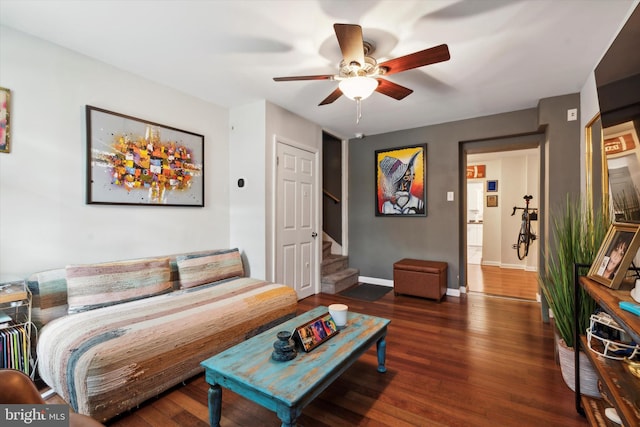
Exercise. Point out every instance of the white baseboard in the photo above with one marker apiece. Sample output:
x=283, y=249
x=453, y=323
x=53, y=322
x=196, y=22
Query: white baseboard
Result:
x=376, y=281
x=491, y=263
x=47, y=393
x=386, y=282
x=511, y=266
x=455, y=292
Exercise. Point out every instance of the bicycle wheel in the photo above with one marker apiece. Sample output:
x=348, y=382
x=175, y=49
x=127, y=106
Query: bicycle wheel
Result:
x=523, y=241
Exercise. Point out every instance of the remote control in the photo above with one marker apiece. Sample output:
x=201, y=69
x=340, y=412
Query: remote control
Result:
x=630, y=307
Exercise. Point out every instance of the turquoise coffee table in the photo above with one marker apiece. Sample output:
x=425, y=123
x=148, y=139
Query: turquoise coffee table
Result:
x=287, y=387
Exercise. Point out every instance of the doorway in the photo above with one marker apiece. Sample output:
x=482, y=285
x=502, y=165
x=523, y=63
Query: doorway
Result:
x=332, y=191
x=492, y=265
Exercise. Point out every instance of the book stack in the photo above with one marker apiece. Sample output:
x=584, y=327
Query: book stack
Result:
x=14, y=348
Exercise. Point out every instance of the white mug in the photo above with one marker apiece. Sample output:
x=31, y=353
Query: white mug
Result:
x=339, y=314
x=635, y=292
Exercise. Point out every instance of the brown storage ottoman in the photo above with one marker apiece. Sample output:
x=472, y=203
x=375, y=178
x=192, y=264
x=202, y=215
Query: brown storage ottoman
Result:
x=420, y=278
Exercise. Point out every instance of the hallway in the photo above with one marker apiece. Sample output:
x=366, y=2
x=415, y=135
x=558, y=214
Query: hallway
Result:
x=504, y=282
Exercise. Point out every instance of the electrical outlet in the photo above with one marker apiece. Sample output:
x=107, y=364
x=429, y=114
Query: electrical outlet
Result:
x=449, y=196
x=572, y=114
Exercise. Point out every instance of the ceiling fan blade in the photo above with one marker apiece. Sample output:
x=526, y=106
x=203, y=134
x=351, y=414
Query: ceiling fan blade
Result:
x=417, y=59
x=332, y=97
x=392, y=89
x=295, y=78
x=351, y=42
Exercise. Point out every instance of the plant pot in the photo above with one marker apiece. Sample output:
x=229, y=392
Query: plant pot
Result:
x=588, y=376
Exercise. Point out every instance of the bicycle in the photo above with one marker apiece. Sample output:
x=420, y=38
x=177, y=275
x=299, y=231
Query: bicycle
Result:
x=525, y=236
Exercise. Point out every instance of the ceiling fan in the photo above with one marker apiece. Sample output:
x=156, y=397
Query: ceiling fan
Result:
x=360, y=74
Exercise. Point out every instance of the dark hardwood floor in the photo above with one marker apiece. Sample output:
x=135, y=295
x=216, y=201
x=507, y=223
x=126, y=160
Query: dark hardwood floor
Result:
x=468, y=361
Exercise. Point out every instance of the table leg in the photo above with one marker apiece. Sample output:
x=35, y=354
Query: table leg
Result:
x=288, y=415
x=381, y=346
x=215, y=405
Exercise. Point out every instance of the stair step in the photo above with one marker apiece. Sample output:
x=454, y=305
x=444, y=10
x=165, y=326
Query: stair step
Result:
x=339, y=281
x=326, y=249
x=334, y=263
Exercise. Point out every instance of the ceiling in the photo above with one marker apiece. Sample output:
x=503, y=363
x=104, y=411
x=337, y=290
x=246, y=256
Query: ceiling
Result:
x=505, y=54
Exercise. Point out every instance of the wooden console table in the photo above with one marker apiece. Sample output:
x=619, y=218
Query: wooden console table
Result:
x=620, y=386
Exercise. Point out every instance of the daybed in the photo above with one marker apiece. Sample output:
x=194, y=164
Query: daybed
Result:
x=115, y=334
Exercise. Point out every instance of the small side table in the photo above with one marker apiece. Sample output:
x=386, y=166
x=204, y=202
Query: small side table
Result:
x=15, y=324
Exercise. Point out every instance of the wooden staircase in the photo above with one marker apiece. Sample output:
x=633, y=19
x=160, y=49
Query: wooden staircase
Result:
x=336, y=276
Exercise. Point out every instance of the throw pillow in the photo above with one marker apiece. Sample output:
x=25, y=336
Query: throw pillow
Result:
x=203, y=268
x=98, y=285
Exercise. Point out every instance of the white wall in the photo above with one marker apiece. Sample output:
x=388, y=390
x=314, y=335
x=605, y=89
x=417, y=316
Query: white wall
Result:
x=492, y=229
x=44, y=221
x=253, y=130
x=589, y=107
x=247, y=152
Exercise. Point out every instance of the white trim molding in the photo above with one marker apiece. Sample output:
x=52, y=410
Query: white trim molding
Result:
x=376, y=281
x=386, y=282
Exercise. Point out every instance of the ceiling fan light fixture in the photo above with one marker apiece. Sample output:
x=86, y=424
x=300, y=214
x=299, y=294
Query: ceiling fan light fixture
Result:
x=359, y=87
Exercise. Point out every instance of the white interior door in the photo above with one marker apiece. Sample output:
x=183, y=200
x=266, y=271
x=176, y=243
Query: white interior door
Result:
x=296, y=219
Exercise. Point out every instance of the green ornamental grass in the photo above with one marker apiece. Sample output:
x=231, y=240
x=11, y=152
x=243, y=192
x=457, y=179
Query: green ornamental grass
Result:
x=578, y=234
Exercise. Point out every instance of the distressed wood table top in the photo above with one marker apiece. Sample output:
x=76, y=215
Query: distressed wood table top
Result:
x=248, y=369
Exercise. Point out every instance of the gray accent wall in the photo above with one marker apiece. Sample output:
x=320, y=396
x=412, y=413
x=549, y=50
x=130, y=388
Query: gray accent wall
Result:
x=375, y=243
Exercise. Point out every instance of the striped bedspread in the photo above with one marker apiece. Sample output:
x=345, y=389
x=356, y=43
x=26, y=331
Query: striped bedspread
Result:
x=108, y=360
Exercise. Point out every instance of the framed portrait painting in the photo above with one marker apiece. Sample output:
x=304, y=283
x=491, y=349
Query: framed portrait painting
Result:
x=131, y=161
x=615, y=255
x=401, y=181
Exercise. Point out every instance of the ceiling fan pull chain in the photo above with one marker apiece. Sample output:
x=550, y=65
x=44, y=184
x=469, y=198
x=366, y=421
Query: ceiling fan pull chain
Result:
x=358, y=110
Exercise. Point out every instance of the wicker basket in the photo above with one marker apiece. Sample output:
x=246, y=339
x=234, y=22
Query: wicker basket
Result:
x=588, y=376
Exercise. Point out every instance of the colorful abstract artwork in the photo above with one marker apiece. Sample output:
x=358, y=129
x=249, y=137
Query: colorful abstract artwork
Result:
x=401, y=186
x=5, y=97
x=137, y=162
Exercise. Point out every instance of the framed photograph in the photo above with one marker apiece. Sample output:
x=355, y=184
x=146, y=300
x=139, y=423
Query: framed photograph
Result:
x=5, y=99
x=313, y=333
x=618, y=249
x=132, y=161
x=401, y=181
x=492, y=185
x=476, y=171
x=622, y=143
x=492, y=201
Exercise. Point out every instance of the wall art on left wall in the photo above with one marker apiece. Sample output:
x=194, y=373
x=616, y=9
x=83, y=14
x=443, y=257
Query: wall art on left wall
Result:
x=131, y=161
x=5, y=99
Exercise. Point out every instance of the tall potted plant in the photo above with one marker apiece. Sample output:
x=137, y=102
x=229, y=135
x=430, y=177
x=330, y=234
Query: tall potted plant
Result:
x=578, y=233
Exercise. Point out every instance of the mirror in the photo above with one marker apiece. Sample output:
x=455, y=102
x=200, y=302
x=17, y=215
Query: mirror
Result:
x=618, y=85
x=623, y=166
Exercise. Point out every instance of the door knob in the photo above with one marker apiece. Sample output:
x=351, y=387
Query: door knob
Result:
x=314, y=234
